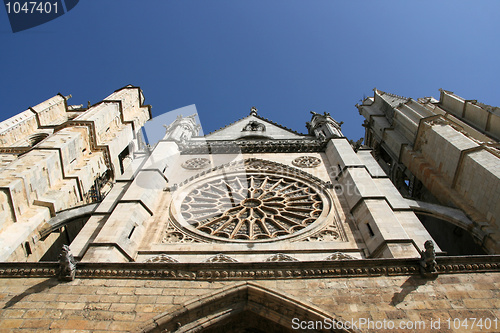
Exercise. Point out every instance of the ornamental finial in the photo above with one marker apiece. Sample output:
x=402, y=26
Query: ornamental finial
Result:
x=253, y=111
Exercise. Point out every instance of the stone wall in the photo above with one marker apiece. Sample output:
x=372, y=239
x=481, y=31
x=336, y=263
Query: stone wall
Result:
x=129, y=304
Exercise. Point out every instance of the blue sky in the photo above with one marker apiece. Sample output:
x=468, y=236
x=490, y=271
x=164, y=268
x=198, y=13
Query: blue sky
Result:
x=286, y=57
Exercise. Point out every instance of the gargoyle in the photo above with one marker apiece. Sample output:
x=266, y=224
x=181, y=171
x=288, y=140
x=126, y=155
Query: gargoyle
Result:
x=428, y=259
x=67, y=264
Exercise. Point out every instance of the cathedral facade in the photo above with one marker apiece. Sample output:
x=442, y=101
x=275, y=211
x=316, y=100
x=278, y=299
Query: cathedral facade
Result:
x=253, y=227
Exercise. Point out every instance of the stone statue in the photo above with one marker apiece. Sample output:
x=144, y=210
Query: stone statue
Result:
x=356, y=145
x=428, y=259
x=67, y=264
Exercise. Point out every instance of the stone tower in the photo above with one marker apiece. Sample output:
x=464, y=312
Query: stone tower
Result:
x=445, y=156
x=54, y=157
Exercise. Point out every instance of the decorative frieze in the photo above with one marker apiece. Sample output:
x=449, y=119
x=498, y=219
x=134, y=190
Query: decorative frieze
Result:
x=305, y=145
x=257, y=270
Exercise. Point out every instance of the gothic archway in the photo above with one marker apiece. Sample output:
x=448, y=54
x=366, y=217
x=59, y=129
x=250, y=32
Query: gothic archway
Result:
x=244, y=307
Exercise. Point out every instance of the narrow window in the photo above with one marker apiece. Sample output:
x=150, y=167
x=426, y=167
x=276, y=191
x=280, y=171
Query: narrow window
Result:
x=131, y=232
x=27, y=248
x=370, y=230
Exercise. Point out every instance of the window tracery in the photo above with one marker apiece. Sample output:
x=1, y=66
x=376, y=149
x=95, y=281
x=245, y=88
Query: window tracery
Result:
x=252, y=207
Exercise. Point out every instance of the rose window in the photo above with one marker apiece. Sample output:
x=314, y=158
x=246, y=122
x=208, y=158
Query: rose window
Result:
x=252, y=207
x=196, y=163
x=306, y=162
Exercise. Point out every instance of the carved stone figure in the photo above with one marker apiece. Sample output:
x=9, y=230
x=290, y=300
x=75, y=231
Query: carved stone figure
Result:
x=254, y=126
x=67, y=264
x=356, y=145
x=428, y=259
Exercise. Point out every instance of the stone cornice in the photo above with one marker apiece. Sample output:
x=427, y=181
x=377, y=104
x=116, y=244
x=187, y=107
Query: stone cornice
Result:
x=252, y=146
x=256, y=270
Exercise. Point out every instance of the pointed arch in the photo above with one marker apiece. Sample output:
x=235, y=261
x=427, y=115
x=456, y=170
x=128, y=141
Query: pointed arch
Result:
x=265, y=308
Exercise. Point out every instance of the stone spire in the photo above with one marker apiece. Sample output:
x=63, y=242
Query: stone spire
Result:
x=324, y=127
x=182, y=128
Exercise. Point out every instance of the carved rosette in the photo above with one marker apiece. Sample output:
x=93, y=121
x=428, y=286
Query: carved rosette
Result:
x=196, y=163
x=306, y=162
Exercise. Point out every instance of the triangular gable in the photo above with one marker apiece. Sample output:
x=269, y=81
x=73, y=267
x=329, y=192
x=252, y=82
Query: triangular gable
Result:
x=253, y=127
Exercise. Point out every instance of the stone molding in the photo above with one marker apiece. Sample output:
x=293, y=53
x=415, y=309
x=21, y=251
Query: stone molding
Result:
x=252, y=146
x=257, y=270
